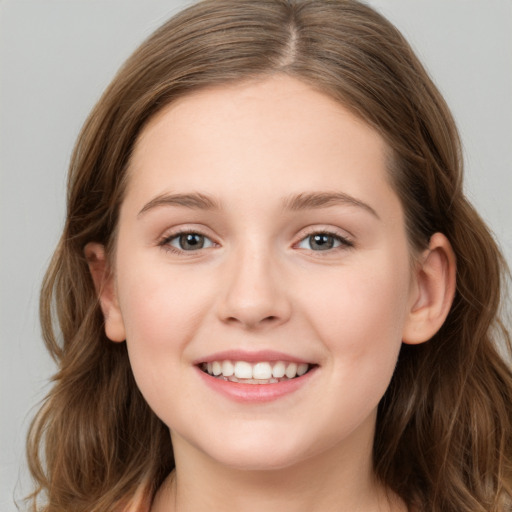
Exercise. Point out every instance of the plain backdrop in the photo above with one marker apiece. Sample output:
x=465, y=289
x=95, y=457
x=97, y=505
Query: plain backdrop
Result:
x=56, y=57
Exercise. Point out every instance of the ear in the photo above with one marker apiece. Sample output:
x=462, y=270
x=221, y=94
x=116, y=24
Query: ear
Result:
x=435, y=285
x=105, y=289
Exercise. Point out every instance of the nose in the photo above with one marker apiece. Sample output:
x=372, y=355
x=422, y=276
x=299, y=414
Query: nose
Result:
x=253, y=294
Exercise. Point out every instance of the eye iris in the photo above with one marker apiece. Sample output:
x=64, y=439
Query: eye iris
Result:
x=321, y=242
x=190, y=241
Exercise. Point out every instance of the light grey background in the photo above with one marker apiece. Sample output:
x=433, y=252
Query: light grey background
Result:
x=56, y=57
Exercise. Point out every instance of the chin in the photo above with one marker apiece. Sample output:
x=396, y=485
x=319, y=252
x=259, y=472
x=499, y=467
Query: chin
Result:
x=259, y=454
x=259, y=462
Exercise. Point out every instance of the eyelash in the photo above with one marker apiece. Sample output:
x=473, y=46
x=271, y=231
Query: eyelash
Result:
x=165, y=242
x=344, y=243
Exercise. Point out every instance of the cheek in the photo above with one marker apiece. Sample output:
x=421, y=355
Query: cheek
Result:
x=357, y=301
x=359, y=314
x=162, y=312
x=160, y=306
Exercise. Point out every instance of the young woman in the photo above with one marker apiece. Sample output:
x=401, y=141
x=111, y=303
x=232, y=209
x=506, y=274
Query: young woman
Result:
x=271, y=291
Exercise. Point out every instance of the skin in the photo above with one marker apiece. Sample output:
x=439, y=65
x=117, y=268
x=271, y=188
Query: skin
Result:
x=260, y=284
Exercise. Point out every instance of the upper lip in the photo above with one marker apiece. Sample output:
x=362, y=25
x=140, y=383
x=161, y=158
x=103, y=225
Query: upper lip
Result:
x=251, y=357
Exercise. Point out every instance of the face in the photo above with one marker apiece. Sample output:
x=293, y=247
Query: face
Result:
x=262, y=273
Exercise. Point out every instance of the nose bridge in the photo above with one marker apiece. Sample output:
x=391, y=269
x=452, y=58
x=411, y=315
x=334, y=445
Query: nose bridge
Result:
x=253, y=293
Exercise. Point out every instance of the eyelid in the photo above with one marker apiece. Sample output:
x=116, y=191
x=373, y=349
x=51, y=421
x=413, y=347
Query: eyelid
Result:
x=325, y=228
x=164, y=241
x=346, y=239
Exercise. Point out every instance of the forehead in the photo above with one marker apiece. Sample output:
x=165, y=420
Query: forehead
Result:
x=258, y=136
x=271, y=104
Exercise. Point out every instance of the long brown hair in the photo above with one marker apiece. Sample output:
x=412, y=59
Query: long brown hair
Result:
x=443, y=438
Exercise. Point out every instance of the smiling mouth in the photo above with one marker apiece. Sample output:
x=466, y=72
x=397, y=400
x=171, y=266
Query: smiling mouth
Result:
x=255, y=373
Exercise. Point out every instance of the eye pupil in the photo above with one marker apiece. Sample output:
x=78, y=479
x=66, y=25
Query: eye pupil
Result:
x=191, y=241
x=322, y=242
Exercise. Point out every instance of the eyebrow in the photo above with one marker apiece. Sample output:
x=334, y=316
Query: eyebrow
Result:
x=316, y=200
x=195, y=201
x=296, y=202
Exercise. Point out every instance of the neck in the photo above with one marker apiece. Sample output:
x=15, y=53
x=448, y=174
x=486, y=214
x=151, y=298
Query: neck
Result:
x=340, y=479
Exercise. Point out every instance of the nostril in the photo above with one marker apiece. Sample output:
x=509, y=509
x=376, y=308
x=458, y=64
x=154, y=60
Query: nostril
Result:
x=252, y=322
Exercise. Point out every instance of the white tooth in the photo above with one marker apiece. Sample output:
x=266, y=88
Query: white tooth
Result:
x=302, y=369
x=291, y=370
x=227, y=368
x=262, y=371
x=209, y=368
x=216, y=368
x=243, y=370
x=278, y=370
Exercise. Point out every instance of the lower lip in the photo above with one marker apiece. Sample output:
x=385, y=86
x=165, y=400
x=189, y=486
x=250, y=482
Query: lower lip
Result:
x=255, y=392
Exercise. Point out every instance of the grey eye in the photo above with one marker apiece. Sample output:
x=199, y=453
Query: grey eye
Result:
x=322, y=242
x=190, y=241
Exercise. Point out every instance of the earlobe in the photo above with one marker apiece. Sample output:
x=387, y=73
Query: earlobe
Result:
x=104, y=284
x=435, y=289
